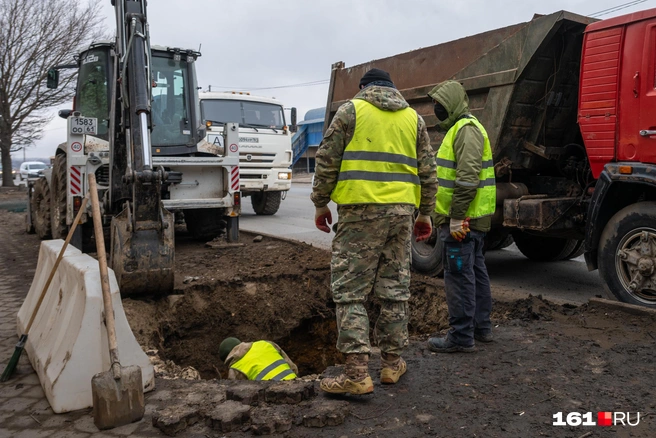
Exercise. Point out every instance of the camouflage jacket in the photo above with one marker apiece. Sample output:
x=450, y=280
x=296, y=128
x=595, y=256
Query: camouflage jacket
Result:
x=339, y=134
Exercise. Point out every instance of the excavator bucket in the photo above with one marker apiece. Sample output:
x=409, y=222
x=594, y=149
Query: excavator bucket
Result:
x=142, y=256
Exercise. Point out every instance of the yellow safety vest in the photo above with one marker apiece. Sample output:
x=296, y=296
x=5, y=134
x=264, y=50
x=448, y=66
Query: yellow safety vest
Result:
x=379, y=165
x=263, y=362
x=485, y=200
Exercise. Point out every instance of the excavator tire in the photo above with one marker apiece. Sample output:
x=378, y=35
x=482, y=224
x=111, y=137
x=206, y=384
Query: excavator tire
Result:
x=58, y=198
x=266, y=203
x=41, y=209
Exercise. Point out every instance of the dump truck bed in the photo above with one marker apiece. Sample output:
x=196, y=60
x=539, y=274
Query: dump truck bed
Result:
x=522, y=82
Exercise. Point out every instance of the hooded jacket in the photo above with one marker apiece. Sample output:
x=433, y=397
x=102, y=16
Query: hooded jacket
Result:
x=339, y=134
x=468, y=149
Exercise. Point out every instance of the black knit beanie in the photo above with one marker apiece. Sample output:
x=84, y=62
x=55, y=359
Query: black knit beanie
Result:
x=375, y=75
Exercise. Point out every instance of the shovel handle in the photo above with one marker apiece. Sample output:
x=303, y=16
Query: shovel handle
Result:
x=104, y=277
x=56, y=265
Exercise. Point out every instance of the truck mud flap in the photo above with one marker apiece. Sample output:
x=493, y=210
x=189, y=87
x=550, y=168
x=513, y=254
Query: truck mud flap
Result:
x=143, y=258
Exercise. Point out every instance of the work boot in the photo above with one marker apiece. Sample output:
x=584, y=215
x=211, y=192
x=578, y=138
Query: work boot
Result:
x=446, y=345
x=393, y=368
x=355, y=379
x=485, y=337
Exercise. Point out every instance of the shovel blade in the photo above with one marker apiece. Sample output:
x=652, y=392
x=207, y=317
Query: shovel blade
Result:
x=117, y=402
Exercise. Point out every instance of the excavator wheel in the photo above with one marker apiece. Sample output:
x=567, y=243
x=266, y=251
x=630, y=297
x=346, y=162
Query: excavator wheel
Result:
x=40, y=207
x=58, y=198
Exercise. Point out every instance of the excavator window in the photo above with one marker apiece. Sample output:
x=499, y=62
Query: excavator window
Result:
x=92, y=98
x=170, y=107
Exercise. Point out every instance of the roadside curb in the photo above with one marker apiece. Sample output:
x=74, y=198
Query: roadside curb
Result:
x=622, y=307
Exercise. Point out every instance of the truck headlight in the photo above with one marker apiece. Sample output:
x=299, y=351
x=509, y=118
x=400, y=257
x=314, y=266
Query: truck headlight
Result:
x=284, y=175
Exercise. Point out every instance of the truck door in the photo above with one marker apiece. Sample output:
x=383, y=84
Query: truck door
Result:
x=647, y=133
x=637, y=133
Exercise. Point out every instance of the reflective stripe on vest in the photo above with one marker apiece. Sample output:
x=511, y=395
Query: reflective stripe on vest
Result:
x=485, y=200
x=379, y=165
x=263, y=362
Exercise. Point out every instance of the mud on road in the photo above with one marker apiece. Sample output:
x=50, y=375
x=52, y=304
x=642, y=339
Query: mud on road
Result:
x=546, y=358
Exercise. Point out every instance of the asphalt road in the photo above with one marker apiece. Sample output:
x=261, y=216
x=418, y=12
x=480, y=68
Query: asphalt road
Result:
x=509, y=270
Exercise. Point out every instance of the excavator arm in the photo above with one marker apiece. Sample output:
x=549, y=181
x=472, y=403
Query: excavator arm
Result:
x=142, y=234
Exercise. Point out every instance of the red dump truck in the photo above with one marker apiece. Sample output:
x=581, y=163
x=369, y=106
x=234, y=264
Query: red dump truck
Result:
x=569, y=104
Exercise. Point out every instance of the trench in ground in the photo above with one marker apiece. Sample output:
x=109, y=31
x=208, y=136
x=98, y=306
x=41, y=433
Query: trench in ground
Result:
x=295, y=311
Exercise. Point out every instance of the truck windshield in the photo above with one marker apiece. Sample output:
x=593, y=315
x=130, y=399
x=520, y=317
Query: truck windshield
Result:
x=257, y=114
x=170, y=110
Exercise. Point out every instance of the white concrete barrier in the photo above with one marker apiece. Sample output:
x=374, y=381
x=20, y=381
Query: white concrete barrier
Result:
x=67, y=344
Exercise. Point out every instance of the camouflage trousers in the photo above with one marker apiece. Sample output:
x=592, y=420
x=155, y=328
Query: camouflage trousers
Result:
x=372, y=255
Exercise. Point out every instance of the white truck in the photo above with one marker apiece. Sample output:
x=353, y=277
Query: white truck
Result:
x=265, y=143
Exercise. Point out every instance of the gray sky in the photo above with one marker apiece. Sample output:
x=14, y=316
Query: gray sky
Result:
x=249, y=44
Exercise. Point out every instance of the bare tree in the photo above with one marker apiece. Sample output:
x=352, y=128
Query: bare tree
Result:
x=36, y=35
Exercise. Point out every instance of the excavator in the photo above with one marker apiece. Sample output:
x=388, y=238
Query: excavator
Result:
x=136, y=124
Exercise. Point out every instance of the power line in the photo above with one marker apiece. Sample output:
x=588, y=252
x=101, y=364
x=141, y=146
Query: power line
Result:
x=617, y=8
x=275, y=87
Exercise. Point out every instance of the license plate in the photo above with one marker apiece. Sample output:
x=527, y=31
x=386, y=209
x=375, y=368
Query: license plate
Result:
x=84, y=125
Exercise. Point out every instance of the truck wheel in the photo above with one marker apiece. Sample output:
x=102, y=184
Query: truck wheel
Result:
x=578, y=250
x=233, y=229
x=544, y=248
x=427, y=255
x=496, y=240
x=627, y=254
x=204, y=224
x=266, y=203
x=41, y=208
x=58, y=198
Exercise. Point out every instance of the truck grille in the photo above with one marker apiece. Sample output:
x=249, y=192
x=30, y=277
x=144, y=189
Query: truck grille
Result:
x=247, y=176
x=256, y=157
x=102, y=175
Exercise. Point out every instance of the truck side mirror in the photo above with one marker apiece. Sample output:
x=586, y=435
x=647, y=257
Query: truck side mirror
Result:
x=293, y=128
x=53, y=79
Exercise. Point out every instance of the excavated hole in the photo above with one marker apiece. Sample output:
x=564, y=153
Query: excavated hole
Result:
x=295, y=311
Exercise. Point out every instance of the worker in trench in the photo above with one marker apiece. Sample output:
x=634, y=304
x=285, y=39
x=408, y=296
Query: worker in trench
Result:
x=466, y=199
x=376, y=163
x=260, y=360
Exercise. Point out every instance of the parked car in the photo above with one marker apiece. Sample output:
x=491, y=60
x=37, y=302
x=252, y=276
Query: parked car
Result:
x=30, y=169
x=13, y=172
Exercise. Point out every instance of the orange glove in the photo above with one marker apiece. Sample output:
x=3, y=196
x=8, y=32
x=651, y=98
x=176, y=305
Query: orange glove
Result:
x=459, y=228
x=322, y=218
x=423, y=227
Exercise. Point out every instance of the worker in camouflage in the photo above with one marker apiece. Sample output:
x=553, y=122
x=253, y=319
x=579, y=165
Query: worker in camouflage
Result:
x=376, y=163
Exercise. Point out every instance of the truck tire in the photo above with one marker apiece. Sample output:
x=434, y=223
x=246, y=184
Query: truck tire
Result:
x=232, y=229
x=497, y=239
x=41, y=208
x=624, y=234
x=205, y=223
x=544, y=248
x=427, y=255
x=266, y=203
x=58, y=198
x=578, y=250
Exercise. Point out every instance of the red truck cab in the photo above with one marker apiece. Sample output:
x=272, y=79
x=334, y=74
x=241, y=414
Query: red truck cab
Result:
x=617, y=118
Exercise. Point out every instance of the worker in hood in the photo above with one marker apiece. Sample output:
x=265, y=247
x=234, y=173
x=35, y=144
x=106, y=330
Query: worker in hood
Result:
x=466, y=199
x=260, y=360
x=376, y=163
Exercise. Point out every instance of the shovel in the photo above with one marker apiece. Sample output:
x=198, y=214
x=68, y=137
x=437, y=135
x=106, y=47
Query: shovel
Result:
x=118, y=397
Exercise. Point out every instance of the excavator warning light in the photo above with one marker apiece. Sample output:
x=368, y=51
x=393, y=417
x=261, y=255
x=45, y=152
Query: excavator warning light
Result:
x=208, y=124
x=77, y=202
x=237, y=199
